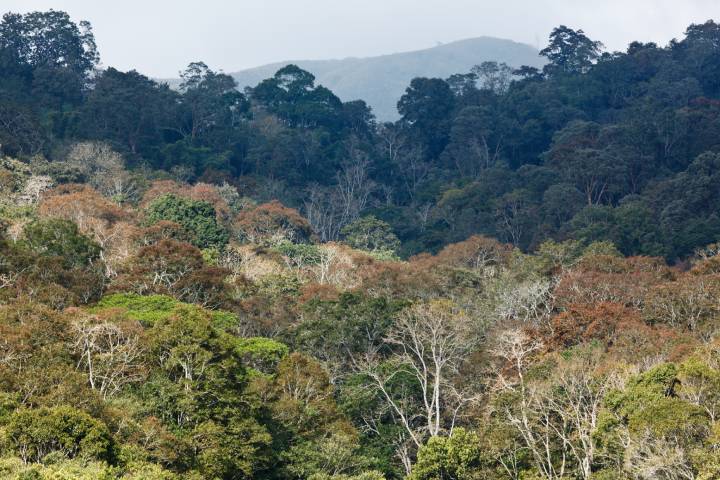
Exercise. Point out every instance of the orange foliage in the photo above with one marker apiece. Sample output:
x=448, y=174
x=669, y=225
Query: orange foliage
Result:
x=272, y=222
x=163, y=230
x=316, y=291
x=476, y=253
x=707, y=266
x=604, y=278
x=81, y=204
x=618, y=328
x=581, y=323
x=97, y=217
x=398, y=279
x=159, y=188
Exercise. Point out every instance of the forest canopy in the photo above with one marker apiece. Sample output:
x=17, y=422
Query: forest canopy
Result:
x=519, y=279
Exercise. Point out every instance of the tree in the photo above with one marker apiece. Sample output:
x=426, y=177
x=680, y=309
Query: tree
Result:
x=160, y=267
x=211, y=99
x=584, y=156
x=102, y=220
x=272, y=223
x=455, y=457
x=476, y=141
x=428, y=345
x=128, y=108
x=61, y=239
x=48, y=56
x=49, y=39
x=570, y=51
x=425, y=108
x=197, y=217
x=369, y=233
x=493, y=76
x=35, y=433
x=110, y=353
x=291, y=94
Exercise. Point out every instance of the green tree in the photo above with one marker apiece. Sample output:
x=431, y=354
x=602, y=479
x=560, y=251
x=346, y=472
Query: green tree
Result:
x=369, y=233
x=210, y=99
x=456, y=457
x=195, y=216
x=128, y=108
x=426, y=107
x=570, y=51
x=34, y=433
x=61, y=238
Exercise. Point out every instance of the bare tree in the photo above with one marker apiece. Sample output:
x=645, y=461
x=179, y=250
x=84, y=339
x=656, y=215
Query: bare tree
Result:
x=577, y=402
x=531, y=302
x=104, y=168
x=33, y=189
x=429, y=342
x=323, y=212
x=493, y=76
x=402, y=154
x=530, y=417
x=330, y=209
x=413, y=169
x=510, y=216
x=649, y=458
x=109, y=354
x=555, y=418
x=354, y=185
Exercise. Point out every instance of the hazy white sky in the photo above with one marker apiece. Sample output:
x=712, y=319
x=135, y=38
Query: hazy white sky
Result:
x=160, y=37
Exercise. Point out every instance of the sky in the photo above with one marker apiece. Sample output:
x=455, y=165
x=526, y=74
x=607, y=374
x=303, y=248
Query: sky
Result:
x=160, y=37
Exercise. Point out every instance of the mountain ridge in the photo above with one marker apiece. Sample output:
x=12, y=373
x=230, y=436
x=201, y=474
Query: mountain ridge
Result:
x=381, y=80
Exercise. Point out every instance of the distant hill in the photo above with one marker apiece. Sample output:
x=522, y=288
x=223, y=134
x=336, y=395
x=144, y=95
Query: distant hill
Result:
x=381, y=81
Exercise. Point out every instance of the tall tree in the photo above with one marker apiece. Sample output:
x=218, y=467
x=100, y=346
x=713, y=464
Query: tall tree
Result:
x=570, y=51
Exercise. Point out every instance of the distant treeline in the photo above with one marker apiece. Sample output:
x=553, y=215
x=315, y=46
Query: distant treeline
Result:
x=615, y=146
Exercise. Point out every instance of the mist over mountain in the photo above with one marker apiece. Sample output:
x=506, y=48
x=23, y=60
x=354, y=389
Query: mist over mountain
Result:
x=381, y=81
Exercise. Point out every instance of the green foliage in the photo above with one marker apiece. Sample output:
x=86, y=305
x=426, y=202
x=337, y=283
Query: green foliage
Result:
x=226, y=451
x=149, y=309
x=260, y=353
x=456, y=456
x=299, y=254
x=649, y=403
x=335, y=456
x=60, y=238
x=570, y=51
x=33, y=434
x=369, y=233
x=595, y=157
x=197, y=217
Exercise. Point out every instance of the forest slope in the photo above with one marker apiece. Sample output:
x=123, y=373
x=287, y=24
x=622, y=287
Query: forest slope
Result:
x=519, y=279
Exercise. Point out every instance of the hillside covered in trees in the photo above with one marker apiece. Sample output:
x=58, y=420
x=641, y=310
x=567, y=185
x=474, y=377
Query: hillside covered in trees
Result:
x=380, y=81
x=520, y=279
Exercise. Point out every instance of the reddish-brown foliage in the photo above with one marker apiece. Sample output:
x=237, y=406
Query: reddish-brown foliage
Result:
x=272, y=222
x=163, y=187
x=200, y=191
x=315, y=291
x=581, y=323
x=620, y=330
x=158, y=268
x=163, y=230
x=476, y=253
x=604, y=278
x=81, y=204
x=398, y=279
